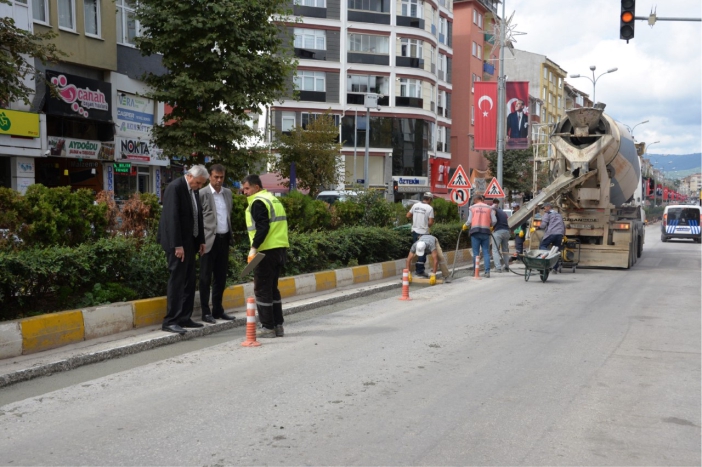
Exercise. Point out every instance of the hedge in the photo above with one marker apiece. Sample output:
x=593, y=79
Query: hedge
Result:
x=40, y=280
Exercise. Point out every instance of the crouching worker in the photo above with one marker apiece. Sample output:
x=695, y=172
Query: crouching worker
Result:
x=424, y=246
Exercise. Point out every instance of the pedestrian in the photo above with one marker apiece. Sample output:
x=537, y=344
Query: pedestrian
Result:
x=267, y=225
x=500, y=238
x=181, y=235
x=429, y=244
x=554, y=229
x=216, y=202
x=480, y=218
x=422, y=215
x=519, y=234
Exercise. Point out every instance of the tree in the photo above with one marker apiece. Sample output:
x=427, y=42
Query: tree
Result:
x=17, y=47
x=315, y=153
x=224, y=58
x=517, y=169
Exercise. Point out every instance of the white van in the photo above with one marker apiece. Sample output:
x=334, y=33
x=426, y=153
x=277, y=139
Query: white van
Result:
x=332, y=197
x=681, y=221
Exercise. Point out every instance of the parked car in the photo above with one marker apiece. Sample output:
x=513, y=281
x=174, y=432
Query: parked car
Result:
x=333, y=196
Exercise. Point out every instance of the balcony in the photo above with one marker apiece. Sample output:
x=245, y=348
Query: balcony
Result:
x=410, y=62
x=354, y=98
x=489, y=68
x=401, y=101
x=313, y=96
x=370, y=59
x=410, y=22
x=311, y=54
x=368, y=17
x=309, y=11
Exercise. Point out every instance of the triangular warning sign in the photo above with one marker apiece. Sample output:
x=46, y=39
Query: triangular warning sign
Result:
x=459, y=179
x=494, y=190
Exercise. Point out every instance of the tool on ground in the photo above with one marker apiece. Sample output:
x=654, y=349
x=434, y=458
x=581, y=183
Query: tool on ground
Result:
x=252, y=265
x=405, y=285
x=250, y=324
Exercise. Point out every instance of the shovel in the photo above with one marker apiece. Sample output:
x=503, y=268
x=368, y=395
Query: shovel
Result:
x=252, y=265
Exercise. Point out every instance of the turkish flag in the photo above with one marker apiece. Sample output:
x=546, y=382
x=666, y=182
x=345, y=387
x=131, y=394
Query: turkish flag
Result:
x=485, y=108
x=665, y=193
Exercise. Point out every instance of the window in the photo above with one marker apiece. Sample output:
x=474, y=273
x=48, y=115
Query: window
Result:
x=91, y=13
x=545, y=73
x=410, y=88
x=480, y=21
x=411, y=48
x=475, y=49
x=442, y=67
x=559, y=102
x=310, y=81
x=475, y=78
x=127, y=25
x=67, y=13
x=550, y=76
x=365, y=84
x=40, y=11
x=543, y=93
x=443, y=30
x=288, y=121
x=412, y=8
x=441, y=98
x=480, y=52
x=369, y=44
x=472, y=115
x=310, y=38
x=477, y=18
x=579, y=100
x=380, y=6
x=441, y=139
x=315, y=3
x=308, y=118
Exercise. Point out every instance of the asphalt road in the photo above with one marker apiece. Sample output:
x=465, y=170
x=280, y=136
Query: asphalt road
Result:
x=600, y=367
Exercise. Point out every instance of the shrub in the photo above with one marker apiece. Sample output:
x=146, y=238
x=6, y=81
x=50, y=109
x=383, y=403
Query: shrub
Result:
x=140, y=215
x=377, y=211
x=304, y=213
x=445, y=212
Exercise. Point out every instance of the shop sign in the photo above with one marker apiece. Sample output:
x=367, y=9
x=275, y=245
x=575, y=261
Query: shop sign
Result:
x=136, y=150
x=110, y=178
x=123, y=167
x=79, y=97
x=135, y=114
x=81, y=148
x=15, y=123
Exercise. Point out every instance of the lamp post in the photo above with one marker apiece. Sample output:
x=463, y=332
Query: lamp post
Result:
x=632, y=128
x=594, y=80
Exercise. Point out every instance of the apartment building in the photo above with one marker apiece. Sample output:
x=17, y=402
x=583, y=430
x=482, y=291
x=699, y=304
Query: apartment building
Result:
x=476, y=50
x=546, y=81
x=96, y=133
x=399, y=49
x=575, y=98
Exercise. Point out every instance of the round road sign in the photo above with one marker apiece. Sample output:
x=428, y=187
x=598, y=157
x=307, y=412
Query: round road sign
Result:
x=460, y=197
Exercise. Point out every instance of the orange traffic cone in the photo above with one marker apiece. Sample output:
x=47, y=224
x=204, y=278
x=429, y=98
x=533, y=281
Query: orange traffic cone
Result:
x=476, y=274
x=250, y=324
x=405, y=285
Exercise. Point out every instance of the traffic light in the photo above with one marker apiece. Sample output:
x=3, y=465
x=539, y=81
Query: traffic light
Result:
x=626, y=20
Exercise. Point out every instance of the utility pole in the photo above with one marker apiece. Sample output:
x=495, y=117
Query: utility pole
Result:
x=501, y=91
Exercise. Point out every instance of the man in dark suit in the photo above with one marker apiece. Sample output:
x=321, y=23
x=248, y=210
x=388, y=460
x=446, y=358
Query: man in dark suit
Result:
x=216, y=202
x=518, y=121
x=181, y=234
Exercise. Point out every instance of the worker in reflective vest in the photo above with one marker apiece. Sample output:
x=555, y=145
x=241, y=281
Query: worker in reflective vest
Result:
x=267, y=226
x=480, y=218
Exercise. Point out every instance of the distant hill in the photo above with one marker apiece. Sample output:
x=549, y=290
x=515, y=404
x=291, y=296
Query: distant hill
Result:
x=681, y=165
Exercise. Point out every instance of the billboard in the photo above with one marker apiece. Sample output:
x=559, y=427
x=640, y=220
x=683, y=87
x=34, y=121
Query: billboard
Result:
x=517, y=128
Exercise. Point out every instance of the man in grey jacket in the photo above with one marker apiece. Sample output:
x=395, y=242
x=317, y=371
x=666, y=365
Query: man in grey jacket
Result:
x=554, y=229
x=216, y=204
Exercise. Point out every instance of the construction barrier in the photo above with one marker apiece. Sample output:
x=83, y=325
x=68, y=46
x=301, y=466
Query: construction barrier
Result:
x=250, y=324
x=405, y=285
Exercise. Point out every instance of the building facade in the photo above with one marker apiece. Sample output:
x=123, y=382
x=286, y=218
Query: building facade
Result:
x=400, y=50
x=96, y=133
x=477, y=59
x=575, y=98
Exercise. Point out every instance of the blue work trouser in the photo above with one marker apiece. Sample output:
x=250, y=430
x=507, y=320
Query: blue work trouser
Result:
x=419, y=266
x=478, y=241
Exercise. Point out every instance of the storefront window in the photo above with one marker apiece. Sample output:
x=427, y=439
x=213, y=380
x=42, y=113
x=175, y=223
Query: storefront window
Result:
x=130, y=179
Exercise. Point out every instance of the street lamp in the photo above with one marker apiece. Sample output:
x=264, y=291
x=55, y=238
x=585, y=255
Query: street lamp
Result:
x=631, y=129
x=593, y=79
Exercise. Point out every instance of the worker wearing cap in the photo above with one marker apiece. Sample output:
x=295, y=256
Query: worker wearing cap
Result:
x=422, y=215
x=554, y=229
x=428, y=244
x=480, y=218
x=500, y=237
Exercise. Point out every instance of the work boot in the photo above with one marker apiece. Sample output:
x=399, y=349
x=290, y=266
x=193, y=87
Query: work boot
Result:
x=279, y=331
x=487, y=274
x=264, y=333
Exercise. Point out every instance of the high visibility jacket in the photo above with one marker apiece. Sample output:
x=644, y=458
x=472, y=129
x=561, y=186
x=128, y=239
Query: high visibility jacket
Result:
x=278, y=234
x=481, y=219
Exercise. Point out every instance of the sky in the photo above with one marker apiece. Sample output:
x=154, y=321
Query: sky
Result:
x=659, y=76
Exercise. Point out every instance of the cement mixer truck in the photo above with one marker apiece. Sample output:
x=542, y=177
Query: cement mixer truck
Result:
x=596, y=186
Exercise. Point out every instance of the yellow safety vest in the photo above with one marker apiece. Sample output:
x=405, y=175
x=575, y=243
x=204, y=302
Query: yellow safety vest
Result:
x=278, y=234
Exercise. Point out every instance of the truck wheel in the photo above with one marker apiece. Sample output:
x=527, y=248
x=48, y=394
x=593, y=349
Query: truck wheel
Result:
x=639, y=247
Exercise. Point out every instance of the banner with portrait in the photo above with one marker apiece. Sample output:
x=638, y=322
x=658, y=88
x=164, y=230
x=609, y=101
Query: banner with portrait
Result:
x=517, y=112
